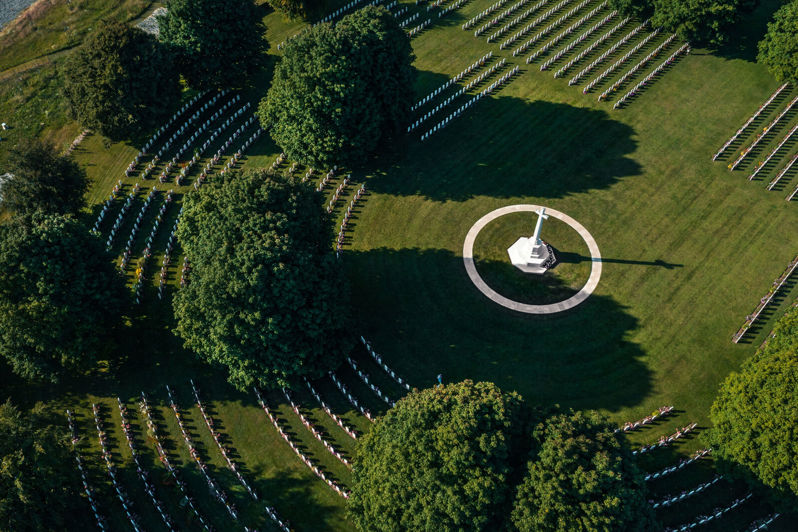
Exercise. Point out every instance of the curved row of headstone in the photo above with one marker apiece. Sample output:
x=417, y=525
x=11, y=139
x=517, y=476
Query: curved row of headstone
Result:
x=667, y=501
x=315, y=431
x=666, y=440
x=338, y=420
x=152, y=431
x=595, y=44
x=782, y=172
x=141, y=470
x=517, y=20
x=121, y=216
x=339, y=243
x=186, y=127
x=135, y=229
x=373, y=387
x=215, y=489
x=465, y=72
x=237, y=155
x=418, y=29
x=567, y=31
x=326, y=179
x=73, y=433
x=471, y=84
x=548, y=29
x=217, y=438
x=579, y=40
x=704, y=519
x=763, y=523
x=337, y=194
x=683, y=49
x=145, y=255
x=172, y=120
x=523, y=16
x=408, y=20
x=749, y=121
x=167, y=256
x=684, y=462
x=184, y=171
x=351, y=398
x=495, y=85
x=633, y=70
x=765, y=301
x=498, y=5
x=765, y=131
x=343, y=492
x=109, y=464
x=783, y=141
x=378, y=359
x=604, y=55
x=793, y=193
x=632, y=425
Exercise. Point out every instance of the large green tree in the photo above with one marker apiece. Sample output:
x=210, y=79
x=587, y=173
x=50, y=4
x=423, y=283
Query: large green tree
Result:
x=441, y=459
x=637, y=8
x=60, y=296
x=702, y=22
x=755, y=416
x=121, y=81
x=267, y=298
x=779, y=49
x=581, y=477
x=291, y=8
x=339, y=92
x=39, y=483
x=217, y=43
x=43, y=181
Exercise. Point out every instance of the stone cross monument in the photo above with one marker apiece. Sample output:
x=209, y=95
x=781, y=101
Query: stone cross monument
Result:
x=531, y=254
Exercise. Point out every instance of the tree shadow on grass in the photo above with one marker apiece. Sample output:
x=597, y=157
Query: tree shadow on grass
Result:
x=508, y=147
x=421, y=309
x=746, y=34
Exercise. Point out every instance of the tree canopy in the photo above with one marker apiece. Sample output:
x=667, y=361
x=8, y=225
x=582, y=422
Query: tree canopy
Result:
x=120, y=81
x=60, y=296
x=267, y=298
x=339, y=92
x=581, y=477
x=755, y=416
x=216, y=43
x=779, y=48
x=702, y=22
x=291, y=8
x=38, y=478
x=43, y=181
x=441, y=459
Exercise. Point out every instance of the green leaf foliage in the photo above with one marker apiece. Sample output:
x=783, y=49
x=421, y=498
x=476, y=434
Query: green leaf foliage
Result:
x=60, y=296
x=43, y=181
x=779, y=49
x=755, y=417
x=39, y=480
x=581, y=477
x=267, y=299
x=120, y=82
x=441, y=459
x=217, y=43
x=291, y=8
x=633, y=8
x=339, y=92
x=702, y=22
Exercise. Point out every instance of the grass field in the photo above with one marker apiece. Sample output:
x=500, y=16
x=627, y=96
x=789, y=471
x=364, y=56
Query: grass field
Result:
x=688, y=248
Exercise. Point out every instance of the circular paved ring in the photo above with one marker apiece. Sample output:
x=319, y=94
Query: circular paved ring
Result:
x=571, y=302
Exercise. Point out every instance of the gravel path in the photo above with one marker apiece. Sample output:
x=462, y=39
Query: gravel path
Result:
x=9, y=9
